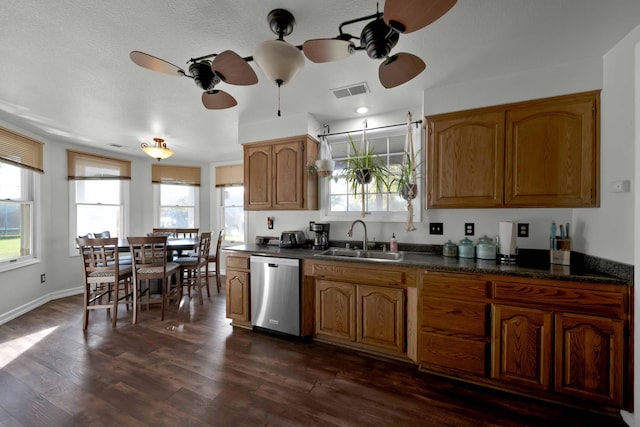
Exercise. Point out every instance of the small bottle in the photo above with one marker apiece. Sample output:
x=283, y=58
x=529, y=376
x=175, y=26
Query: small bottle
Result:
x=393, y=244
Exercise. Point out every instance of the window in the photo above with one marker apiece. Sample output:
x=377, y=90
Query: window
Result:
x=176, y=196
x=99, y=191
x=178, y=206
x=229, y=181
x=20, y=167
x=232, y=213
x=16, y=214
x=386, y=206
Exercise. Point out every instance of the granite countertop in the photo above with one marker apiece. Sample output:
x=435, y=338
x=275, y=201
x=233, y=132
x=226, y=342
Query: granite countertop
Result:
x=434, y=261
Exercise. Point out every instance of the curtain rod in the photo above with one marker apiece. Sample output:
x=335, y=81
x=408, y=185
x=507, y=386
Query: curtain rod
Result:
x=416, y=122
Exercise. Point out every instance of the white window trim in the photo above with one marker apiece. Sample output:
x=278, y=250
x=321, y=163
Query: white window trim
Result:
x=391, y=217
x=156, y=204
x=124, y=220
x=36, y=225
x=221, y=207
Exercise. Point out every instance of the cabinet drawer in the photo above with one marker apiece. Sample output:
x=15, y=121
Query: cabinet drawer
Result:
x=454, y=353
x=463, y=319
x=241, y=262
x=366, y=275
x=466, y=286
x=569, y=299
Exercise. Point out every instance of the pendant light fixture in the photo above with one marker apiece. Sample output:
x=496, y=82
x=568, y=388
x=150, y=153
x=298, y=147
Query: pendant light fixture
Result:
x=279, y=60
x=158, y=151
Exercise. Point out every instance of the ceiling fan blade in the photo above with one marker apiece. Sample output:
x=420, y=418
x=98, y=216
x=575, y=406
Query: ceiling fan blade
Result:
x=233, y=69
x=399, y=69
x=327, y=50
x=406, y=16
x=155, y=64
x=218, y=100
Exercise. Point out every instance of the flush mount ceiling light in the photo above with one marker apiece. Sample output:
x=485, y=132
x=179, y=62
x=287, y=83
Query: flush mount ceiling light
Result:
x=279, y=60
x=158, y=151
x=362, y=110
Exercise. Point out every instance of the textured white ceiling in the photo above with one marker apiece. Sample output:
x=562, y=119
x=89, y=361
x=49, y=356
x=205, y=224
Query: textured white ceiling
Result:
x=65, y=71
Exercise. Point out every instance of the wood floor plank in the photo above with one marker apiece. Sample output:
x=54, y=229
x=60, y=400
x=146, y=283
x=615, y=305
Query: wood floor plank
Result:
x=194, y=369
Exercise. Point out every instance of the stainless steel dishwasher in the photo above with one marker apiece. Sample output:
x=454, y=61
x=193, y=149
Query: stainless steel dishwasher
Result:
x=275, y=294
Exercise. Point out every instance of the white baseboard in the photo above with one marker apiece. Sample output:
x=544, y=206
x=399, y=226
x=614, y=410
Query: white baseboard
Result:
x=628, y=418
x=25, y=308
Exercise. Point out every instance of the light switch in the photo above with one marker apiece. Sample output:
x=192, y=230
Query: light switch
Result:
x=622, y=186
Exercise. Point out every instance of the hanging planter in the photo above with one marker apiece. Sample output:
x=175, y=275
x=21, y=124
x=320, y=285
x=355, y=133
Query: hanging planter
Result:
x=408, y=191
x=325, y=167
x=363, y=167
x=363, y=176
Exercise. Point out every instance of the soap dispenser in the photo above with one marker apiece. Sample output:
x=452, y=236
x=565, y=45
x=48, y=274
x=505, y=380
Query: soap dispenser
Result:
x=393, y=244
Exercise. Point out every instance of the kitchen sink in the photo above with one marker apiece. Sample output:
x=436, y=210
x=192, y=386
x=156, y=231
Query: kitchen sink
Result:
x=358, y=253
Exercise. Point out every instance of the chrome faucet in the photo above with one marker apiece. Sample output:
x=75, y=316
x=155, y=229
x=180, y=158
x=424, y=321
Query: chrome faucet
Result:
x=364, y=241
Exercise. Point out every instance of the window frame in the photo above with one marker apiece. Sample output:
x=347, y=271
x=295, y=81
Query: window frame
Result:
x=157, y=198
x=221, y=209
x=73, y=213
x=377, y=216
x=31, y=196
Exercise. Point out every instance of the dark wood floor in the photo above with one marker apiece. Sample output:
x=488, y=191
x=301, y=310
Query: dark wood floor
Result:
x=194, y=369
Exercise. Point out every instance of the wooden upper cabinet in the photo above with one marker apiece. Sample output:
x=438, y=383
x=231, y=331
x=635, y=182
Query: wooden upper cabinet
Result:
x=540, y=153
x=465, y=160
x=276, y=177
x=257, y=177
x=552, y=153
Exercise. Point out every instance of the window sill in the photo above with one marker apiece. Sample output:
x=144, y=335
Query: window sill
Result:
x=8, y=265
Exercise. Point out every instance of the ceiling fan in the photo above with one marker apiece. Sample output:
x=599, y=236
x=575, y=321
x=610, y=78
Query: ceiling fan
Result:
x=380, y=35
x=227, y=67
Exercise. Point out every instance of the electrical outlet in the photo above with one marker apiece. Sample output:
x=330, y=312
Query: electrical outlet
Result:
x=436, y=228
x=43, y=278
x=469, y=228
x=523, y=230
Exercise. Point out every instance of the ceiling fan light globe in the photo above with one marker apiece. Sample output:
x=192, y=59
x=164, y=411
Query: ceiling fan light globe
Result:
x=279, y=60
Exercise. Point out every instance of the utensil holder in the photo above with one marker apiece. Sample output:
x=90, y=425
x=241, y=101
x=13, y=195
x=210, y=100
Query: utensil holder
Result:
x=560, y=252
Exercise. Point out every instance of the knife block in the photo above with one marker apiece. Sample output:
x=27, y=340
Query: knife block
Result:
x=560, y=252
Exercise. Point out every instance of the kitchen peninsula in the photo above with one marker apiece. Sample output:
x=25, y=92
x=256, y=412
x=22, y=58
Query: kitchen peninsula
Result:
x=554, y=334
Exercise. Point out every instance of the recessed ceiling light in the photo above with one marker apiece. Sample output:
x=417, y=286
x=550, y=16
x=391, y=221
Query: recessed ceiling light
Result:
x=362, y=110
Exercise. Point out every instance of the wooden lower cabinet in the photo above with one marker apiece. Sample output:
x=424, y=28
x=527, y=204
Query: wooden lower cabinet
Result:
x=237, y=290
x=370, y=315
x=380, y=321
x=589, y=359
x=521, y=346
x=453, y=324
x=556, y=340
x=364, y=306
x=335, y=309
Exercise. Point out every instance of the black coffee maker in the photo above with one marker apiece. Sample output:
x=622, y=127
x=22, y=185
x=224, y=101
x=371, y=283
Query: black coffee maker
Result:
x=321, y=238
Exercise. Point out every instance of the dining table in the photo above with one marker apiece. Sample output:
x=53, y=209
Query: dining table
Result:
x=182, y=245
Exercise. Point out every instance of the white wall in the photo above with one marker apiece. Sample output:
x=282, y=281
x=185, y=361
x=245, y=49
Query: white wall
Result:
x=610, y=228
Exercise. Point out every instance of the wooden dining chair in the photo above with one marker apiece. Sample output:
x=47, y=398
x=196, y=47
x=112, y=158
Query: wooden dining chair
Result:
x=103, y=277
x=187, y=233
x=215, y=259
x=191, y=268
x=169, y=232
x=149, y=259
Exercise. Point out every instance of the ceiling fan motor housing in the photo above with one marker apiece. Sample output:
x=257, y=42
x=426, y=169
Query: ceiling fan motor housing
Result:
x=378, y=38
x=202, y=74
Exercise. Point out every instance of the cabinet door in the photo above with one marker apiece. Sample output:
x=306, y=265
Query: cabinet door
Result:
x=288, y=170
x=589, y=357
x=381, y=317
x=237, y=285
x=465, y=161
x=521, y=346
x=257, y=177
x=336, y=309
x=552, y=153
